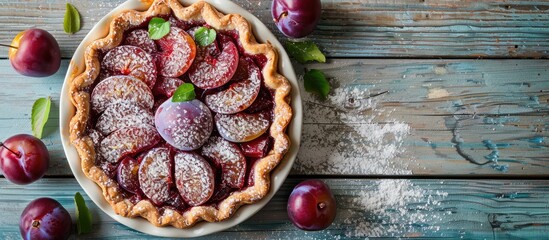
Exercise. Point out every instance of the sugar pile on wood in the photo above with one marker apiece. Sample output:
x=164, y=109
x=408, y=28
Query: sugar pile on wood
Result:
x=394, y=208
x=341, y=135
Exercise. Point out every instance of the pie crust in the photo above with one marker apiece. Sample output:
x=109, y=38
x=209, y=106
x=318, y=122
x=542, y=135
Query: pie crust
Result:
x=80, y=88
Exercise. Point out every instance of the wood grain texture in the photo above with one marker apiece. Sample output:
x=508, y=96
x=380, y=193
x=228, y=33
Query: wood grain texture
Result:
x=463, y=115
x=449, y=209
x=500, y=102
x=352, y=28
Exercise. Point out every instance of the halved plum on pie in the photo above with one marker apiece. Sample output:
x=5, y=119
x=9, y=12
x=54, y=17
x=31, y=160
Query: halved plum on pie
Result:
x=241, y=93
x=194, y=178
x=155, y=177
x=177, y=163
x=132, y=61
x=177, y=52
x=118, y=89
x=212, y=68
x=229, y=158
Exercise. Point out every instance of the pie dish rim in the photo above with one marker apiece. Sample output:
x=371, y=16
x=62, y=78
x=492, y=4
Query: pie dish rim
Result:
x=278, y=175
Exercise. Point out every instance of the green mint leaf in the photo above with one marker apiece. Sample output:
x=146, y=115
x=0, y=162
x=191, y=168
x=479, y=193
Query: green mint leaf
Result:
x=305, y=51
x=315, y=82
x=184, y=93
x=71, y=22
x=83, y=215
x=204, y=36
x=39, y=115
x=158, y=28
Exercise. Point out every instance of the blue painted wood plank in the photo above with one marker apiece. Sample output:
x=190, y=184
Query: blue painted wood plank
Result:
x=481, y=102
x=495, y=209
x=453, y=117
x=353, y=28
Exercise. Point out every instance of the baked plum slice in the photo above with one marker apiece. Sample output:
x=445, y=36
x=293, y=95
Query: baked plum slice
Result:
x=121, y=115
x=130, y=60
x=175, y=200
x=166, y=86
x=127, y=175
x=155, y=179
x=118, y=89
x=109, y=168
x=240, y=94
x=241, y=127
x=212, y=69
x=177, y=52
x=127, y=141
x=229, y=157
x=263, y=102
x=194, y=178
x=140, y=38
x=256, y=148
x=184, y=125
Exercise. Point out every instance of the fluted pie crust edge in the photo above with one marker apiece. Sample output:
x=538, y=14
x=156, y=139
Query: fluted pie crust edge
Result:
x=80, y=97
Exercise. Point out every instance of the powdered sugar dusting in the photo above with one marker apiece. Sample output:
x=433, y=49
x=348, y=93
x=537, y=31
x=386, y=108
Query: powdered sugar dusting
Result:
x=166, y=86
x=95, y=136
x=231, y=159
x=126, y=141
x=194, y=178
x=241, y=94
x=130, y=60
x=213, y=71
x=346, y=139
x=393, y=208
x=127, y=176
x=154, y=175
x=241, y=127
x=121, y=115
x=184, y=125
x=117, y=89
x=177, y=54
x=140, y=38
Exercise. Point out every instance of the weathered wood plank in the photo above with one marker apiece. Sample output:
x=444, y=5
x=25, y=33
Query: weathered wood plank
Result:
x=488, y=110
x=435, y=117
x=497, y=209
x=353, y=28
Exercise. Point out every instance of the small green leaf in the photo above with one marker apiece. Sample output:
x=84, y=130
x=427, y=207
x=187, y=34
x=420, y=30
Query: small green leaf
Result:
x=39, y=115
x=315, y=82
x=158, y=28
x=184, y=93
x=83, y=215
x=204, y=36
x=71, y=22
x=305, y=51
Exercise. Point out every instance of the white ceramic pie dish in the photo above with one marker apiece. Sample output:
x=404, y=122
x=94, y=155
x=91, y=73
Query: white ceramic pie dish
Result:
x=278, y=176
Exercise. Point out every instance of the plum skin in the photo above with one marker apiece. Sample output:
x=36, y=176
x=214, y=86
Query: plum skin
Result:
x=45, y=218
x=296, y=19
x=184, y=125
x=30, y=165
x=311, y=205
x=37, y=54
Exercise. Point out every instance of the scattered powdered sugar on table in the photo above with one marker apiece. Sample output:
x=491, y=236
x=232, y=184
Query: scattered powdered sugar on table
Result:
x=343, y=135
x=394, y=208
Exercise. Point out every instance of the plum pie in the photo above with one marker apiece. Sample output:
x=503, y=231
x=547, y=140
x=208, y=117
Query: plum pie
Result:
x=180, y=162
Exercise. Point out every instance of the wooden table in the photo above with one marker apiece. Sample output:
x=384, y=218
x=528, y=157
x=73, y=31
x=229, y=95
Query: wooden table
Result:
x=456, y=147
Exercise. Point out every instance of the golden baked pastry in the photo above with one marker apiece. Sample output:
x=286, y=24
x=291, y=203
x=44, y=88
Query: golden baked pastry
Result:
x=212, y=154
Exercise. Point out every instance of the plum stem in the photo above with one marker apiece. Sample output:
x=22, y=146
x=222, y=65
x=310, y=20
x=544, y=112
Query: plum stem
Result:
x=18, y=154
x=322, y=205
x=35, y=223
x=10, y=46
x=282, y=15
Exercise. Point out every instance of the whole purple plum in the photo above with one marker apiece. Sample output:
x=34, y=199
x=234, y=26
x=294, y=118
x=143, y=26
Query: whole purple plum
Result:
x=45, y=218
x=296, y=19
